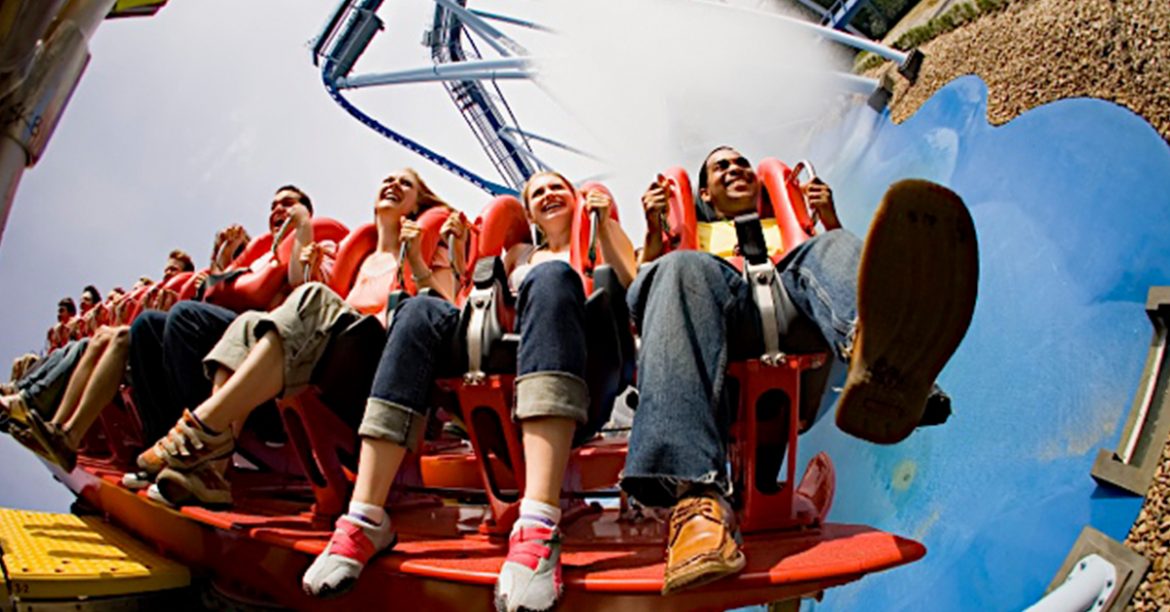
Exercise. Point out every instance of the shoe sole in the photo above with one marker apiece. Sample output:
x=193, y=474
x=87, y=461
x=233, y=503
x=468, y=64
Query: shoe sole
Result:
x=501, y=602
x=39, y=431
x=699, y=574
x=26, y=439
x=136, y=480
x=171, y=487
x=917, y=284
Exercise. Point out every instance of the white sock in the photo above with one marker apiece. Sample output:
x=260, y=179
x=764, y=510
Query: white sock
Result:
x=533, y=512
x=369, y=514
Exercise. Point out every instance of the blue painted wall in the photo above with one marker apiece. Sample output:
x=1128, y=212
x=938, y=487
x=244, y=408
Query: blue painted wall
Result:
x=1070, y=202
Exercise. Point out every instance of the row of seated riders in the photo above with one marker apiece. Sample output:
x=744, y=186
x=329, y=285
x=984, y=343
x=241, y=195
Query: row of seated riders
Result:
x=693, y=311
x=87, y=353
x=120, y=306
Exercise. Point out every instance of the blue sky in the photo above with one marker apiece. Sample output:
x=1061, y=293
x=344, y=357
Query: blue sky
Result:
x=186, y=122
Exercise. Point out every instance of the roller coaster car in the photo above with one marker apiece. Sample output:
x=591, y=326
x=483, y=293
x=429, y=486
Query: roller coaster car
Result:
x=765, y=430
x=448, y=555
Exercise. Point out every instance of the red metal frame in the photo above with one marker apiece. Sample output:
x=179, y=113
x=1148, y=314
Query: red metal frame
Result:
x=769, y=415
x=442, y=564
x=121, y=428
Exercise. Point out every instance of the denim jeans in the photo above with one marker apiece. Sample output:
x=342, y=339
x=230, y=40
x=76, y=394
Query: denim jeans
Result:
x=695, y=314
x=421, y=347
x=166, y=360
x=43, y=387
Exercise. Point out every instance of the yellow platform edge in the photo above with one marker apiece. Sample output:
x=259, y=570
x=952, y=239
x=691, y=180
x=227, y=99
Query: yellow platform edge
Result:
x=63, y=556
x=127, y=5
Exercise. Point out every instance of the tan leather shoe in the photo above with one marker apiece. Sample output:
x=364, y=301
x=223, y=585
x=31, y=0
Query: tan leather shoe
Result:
x=701, y=544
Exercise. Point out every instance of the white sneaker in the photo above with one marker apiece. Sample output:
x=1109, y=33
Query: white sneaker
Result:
x=530, y=579
x=335, y=571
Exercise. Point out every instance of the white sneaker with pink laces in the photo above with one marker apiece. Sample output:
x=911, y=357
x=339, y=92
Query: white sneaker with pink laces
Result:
x=354, y=542
x=530, y=579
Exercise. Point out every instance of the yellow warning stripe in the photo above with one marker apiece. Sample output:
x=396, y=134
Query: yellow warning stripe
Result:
x=62, y=556
x=123, y=5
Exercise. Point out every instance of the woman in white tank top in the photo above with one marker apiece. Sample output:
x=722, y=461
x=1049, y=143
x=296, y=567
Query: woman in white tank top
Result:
x=551, y=397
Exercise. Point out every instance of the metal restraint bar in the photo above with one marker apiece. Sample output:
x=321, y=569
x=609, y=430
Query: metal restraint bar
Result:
x=489, y=295
x=776, y=309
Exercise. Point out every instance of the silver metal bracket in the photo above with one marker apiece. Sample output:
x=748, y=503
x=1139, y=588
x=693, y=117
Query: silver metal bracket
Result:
x=775, y=308
x=483, y=329
x=762, y=279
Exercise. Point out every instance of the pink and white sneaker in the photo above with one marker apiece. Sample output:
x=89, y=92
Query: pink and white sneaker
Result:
x=337, y=568
x=530, y=579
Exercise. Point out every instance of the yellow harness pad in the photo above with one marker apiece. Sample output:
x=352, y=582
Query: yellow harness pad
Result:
x=718, y=237
x=63, y=556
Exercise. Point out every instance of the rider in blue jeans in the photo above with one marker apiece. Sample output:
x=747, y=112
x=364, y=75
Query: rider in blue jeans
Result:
x=42, y=387
x=692, y=309
x=551, y=399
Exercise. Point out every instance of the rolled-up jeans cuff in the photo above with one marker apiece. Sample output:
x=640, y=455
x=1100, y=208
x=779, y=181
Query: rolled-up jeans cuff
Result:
x=385, y=420
x=552, y=394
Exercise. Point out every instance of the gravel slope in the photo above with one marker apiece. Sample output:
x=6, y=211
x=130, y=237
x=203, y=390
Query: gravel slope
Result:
x=1039, y=51
x=1150, y=537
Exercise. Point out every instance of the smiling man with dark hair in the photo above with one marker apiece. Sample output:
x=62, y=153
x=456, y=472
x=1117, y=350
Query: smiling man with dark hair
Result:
x=894, y=308
x=167, y=348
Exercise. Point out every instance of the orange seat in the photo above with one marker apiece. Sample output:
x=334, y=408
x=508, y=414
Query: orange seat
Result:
x=152, y=295
x=191, y=287
x=255, y=289
x=500, y=225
